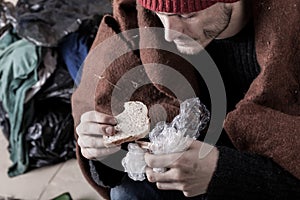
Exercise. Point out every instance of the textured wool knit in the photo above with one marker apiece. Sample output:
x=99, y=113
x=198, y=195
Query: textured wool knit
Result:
x=180, y=6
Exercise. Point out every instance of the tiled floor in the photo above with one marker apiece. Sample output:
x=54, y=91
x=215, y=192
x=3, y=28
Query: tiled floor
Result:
x=44, y=183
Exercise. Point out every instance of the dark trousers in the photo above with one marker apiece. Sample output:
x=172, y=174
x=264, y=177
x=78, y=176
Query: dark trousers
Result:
x=143, y=190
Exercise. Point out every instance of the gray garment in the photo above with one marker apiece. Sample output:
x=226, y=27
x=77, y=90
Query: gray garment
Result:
x=46, y=22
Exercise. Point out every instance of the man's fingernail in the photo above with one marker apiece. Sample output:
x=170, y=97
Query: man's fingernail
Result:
x=113, y=121
x=109, y=130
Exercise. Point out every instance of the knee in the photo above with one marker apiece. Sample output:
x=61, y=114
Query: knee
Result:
x=133, y=190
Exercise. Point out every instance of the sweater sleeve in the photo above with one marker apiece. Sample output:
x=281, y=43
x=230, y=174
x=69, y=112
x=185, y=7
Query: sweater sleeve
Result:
x=241, y=175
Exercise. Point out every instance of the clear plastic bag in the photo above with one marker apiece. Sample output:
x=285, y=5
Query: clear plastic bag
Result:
x=171, y=138
x=134, y=163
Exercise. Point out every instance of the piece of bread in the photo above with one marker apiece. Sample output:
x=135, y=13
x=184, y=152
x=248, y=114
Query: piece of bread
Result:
x=133, y=124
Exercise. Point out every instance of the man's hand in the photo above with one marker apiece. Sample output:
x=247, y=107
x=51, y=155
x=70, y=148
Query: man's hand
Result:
x=187, y=172
x=93, y=125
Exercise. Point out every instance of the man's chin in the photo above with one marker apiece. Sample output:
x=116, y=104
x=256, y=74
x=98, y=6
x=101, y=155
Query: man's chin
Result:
x=189, y=50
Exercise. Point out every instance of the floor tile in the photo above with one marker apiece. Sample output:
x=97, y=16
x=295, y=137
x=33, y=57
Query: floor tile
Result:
x=43, y=183
x=68, y=179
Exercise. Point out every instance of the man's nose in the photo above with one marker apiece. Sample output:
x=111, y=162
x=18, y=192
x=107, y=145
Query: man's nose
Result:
x=173, y=28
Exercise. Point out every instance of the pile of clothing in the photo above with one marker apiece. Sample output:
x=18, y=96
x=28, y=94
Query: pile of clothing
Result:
x=43, y=45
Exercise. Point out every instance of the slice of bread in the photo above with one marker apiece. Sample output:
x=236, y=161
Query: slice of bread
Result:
x=133, y=124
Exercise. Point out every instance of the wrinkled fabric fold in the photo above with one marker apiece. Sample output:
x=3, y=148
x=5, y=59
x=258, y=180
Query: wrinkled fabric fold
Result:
x=267, y=120
x=18, y=68
x=46, y=22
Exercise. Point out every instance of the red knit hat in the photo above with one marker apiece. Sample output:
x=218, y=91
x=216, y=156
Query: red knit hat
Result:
x=179, y=6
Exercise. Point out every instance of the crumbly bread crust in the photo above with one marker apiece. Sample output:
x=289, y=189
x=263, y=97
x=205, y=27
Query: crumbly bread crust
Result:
x=133, y=124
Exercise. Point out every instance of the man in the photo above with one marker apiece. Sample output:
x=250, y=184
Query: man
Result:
x=222, y=20
x=225, y=29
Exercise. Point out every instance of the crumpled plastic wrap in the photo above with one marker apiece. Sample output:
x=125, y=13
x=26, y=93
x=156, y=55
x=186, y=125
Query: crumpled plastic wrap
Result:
x=134, y=163
x=174, y=137
x=166, y=139
x=192, y=119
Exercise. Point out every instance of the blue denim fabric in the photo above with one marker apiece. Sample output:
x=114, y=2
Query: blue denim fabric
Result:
x=144, y=190
x=74, y=49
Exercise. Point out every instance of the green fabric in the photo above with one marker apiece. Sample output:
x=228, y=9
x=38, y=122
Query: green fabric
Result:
x=64, y=196
x=19, y=60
